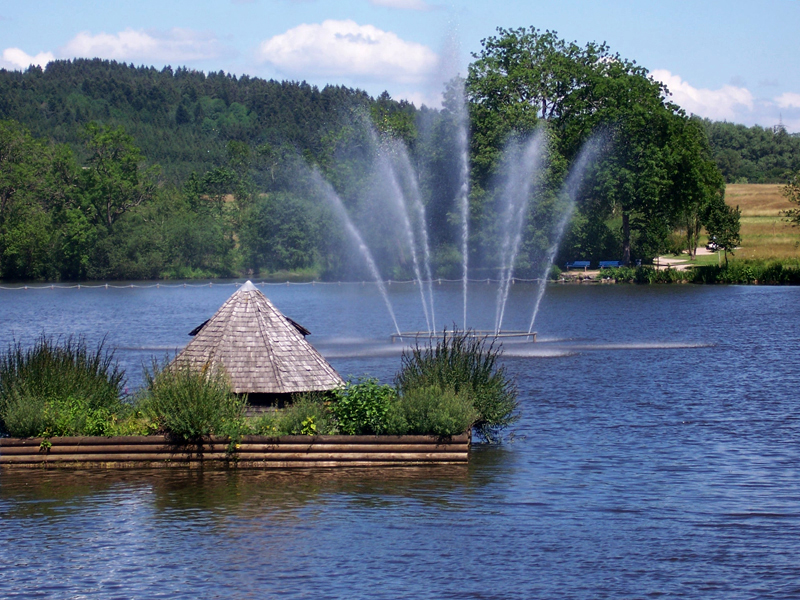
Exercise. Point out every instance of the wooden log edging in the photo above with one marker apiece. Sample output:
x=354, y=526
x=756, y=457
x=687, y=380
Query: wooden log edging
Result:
x=285, y=452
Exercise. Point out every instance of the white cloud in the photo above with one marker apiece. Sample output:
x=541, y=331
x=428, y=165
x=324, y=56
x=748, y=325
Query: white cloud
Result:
x=788, y=100
x=403, y=4
x=176, y=45
x=16, y=60
x=347, y=49
x=723, y=104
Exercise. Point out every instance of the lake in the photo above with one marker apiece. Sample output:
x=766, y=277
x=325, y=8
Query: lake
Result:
x=657, y=454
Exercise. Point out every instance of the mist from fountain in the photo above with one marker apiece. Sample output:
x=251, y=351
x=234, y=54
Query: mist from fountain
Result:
x=570, y=190
x=333, y=198
x=397, y=195
x=410, y=176
x=523, y=168
x=463, y=194
x=524, y=165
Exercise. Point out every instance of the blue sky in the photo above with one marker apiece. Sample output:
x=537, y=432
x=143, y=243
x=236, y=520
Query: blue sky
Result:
x=736, y=60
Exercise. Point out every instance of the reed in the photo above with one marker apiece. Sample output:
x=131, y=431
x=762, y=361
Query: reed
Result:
x=59, y=387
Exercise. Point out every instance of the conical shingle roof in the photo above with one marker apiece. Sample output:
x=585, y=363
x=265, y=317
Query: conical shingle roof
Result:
x=261, y=350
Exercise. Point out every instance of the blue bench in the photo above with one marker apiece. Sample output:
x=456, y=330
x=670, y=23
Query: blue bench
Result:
x=610, y=264
x=577, y=264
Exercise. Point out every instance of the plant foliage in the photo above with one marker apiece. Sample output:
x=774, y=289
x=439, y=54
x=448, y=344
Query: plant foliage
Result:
x=361, y=407
x=431, y=410
x=188, y=403
x=309, y=414
x=467, y=365
x=59, y=387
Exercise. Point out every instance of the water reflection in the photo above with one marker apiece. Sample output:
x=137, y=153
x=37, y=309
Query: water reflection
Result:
x=39, y=492
x=656, y=455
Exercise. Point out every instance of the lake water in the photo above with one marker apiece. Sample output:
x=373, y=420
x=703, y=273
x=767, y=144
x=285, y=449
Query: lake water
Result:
x=657, y=455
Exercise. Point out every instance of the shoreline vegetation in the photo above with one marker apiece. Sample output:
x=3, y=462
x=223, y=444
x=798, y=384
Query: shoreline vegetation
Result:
x=736, y=272
x=62, y=388
x=740, y=272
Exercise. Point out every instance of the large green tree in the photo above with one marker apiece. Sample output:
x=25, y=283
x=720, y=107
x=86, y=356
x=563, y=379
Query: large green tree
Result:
x=655, y=164
x=26, y=187
x=696, y=186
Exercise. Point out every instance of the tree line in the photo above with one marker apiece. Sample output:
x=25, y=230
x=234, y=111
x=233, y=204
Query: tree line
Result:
x=113, y=171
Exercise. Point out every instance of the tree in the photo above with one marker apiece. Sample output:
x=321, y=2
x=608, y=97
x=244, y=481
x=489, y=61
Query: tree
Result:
x=115, y=181
x=524, y=77
x=792, y=193
x=26, y=237
x=722, y=225
x=696, y=183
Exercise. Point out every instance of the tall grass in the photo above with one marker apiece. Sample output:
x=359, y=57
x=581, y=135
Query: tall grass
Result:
x=59, y=387
x=188, y=404
x=469, y=367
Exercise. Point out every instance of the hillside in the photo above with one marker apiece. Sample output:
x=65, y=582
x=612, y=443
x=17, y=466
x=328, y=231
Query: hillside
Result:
x=181, y=119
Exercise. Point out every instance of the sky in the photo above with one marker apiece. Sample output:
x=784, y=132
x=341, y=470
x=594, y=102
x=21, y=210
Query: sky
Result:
x=733, y=60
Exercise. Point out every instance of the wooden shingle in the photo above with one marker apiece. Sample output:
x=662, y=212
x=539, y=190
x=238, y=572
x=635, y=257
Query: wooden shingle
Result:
x=261, y=350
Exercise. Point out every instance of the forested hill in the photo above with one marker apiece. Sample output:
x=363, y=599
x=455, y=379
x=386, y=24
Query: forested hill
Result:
x=753, y=154
x=181, y=119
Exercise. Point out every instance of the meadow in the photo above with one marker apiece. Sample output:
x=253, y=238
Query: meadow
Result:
x=765, y=233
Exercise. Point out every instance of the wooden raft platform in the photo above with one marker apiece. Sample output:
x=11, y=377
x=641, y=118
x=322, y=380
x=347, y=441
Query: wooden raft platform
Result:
x=286, y=452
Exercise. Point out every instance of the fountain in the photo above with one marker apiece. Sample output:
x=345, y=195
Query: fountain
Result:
x=402, y=209
x=463, y=195
x=523, y=167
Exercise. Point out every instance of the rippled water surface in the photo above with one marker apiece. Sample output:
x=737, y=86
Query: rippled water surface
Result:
x=657, y=455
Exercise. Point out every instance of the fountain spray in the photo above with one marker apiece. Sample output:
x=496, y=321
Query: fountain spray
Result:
x=570, y=190
x=333, y=198
x=524, y=168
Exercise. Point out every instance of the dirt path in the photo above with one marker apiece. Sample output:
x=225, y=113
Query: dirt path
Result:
x=679, y=262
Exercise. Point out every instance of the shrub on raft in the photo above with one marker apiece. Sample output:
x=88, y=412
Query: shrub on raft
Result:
x=361, y=406
x=431, y=410
x=189, y=403
x=467, y=365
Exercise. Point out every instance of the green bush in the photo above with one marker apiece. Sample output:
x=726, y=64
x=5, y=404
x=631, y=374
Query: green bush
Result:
x=361, y=407
x=59, y=388
x=189, y=404
x=265, y=424
x=736, y=272
x=24, y=415
x=307, y=415
x=431, y=410
x=619, y=274
x=751, y=271
x=468, y=366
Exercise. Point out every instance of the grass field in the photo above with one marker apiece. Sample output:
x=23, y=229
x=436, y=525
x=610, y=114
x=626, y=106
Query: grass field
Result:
x=765, y=234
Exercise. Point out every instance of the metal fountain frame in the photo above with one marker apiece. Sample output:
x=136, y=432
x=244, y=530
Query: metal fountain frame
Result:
x=527, y=336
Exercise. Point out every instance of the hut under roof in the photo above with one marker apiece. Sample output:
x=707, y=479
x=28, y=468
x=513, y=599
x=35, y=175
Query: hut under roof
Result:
x=263, y=352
